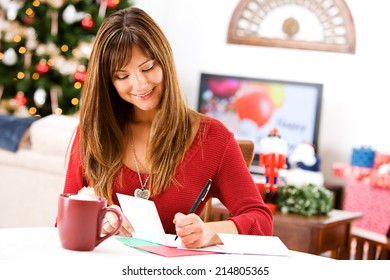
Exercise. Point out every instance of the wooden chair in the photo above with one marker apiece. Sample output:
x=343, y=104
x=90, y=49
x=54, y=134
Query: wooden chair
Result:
x=214, y=210
x=370, y=245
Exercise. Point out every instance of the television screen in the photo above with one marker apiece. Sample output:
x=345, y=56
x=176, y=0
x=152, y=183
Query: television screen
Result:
x=252, y=107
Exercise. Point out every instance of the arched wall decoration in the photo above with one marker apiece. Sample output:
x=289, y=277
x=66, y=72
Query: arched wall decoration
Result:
x=324, y=25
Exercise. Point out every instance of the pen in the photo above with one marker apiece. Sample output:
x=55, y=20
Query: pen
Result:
x=200, y=198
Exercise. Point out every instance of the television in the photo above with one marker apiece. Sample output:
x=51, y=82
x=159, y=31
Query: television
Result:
x=252, y=107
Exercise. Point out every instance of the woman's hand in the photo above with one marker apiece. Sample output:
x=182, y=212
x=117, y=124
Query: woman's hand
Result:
x=110, y=222
x=194, y=233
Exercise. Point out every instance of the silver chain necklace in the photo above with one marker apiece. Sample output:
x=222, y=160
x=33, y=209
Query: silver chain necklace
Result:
x=142, y=192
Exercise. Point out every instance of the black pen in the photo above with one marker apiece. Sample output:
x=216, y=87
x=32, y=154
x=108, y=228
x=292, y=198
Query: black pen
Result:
x=200, y=198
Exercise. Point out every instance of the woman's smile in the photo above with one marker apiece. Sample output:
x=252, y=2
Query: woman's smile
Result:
x=143, y=95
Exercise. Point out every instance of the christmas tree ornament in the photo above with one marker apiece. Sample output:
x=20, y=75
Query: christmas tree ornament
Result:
x=70, y=15
x=27, y=62
x=54, y=23
x=20, y=98
x=79, y=76
x=54, y=93
x=31, y=38
x=10, y=57
x=12, y=10
x=83, y=50
x=102, y=8
x=112, y=4
x=42, y=67
x=40, y=97
x=87, y=22
x=28, y=19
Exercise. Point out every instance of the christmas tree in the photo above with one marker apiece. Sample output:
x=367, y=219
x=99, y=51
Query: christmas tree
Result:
x=44, y=51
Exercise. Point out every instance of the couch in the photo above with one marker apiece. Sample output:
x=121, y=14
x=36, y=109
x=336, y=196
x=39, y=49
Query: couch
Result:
x=32, y=177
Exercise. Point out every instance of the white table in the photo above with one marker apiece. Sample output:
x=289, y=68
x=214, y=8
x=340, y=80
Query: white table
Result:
x=36, y=251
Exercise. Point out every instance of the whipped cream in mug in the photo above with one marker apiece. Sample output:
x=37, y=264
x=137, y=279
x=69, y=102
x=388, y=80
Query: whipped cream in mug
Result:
x=86, y=193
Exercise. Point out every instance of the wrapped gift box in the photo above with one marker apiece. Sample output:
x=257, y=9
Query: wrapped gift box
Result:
x=363, y=157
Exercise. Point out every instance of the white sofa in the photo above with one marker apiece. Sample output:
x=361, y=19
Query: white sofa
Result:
x=32, y=177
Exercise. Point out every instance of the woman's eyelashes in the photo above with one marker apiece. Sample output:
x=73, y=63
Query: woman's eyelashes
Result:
x=118, y=77
x=149, y=68
x=145, y=70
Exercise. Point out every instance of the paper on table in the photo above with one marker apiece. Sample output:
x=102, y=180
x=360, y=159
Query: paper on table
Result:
x=139, y=210
x=253, y=244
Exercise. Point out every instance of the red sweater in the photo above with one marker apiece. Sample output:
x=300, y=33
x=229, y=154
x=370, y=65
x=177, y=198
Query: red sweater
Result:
x=215, y=155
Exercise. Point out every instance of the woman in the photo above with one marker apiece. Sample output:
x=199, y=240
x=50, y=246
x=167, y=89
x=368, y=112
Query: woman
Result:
x=138, y=137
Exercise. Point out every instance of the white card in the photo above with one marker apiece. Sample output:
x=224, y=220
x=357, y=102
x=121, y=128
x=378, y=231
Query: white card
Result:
x=143, y=216
x=254, y=244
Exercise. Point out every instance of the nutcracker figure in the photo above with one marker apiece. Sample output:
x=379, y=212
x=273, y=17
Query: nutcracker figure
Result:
x=273, y=154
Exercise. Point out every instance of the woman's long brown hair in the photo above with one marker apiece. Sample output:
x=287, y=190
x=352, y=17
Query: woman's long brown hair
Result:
x=104, y=115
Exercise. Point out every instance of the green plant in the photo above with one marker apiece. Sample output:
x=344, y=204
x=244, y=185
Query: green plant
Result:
x=307, y=200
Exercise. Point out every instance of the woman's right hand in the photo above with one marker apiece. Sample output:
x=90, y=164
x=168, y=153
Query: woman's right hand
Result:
x=110, y=222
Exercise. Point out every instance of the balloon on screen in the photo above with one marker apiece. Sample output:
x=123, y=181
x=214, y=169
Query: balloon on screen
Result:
x=255, y=105
x=224, y=87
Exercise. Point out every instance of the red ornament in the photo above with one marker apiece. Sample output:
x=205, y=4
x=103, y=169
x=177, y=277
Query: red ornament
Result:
x=28, y=19
x=20, y=99
x=42, y=67
x=111, y=4
x=79, y=76
x=87, y=22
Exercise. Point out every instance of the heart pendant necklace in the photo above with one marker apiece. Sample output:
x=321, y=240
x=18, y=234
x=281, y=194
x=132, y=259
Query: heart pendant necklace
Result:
x=142, y=192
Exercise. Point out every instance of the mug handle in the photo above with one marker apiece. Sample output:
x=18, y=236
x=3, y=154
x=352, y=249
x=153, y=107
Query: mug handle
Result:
x=105, y=210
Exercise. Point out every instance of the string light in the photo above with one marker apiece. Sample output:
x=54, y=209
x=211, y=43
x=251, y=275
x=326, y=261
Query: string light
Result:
x=77, y=85
x=35, y=76
x=64, y=48
x=36, y=3
x=74, y=101
x=22, y=50
x=58, y=111
x=30, y=12
x=20, y=75
x=17, y=38
x=32, y=110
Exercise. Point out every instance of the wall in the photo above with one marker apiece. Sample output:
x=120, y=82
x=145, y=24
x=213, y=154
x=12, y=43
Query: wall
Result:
x=356, y=98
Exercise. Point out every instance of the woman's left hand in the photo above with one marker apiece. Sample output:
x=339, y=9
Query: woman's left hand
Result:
x=194, y=233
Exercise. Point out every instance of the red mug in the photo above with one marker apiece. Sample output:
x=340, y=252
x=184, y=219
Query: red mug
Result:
x=80, y=222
